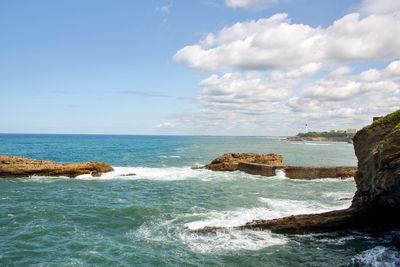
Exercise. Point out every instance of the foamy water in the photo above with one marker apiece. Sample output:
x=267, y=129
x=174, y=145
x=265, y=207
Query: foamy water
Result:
x=378, y=256
x=147, y=219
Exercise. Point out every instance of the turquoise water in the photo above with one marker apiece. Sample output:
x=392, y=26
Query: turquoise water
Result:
x=147, y=219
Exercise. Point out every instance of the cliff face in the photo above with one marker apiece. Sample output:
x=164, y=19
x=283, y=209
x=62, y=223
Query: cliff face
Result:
x=376, y=202
x=377, y=148
x=12, y=166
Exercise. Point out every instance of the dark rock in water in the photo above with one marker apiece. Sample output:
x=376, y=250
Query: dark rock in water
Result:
x=299, y=172
x=230, y=161
x=376, y=202
x=13, y=166
x=129, y=174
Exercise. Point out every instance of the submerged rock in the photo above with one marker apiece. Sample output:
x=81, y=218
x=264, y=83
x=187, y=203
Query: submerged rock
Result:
x=13, y=166
x=230, y=161
x=376, y=202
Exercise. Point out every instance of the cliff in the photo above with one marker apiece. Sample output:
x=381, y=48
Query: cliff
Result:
x=377, y=199
x=230, y=161
x=12, y=166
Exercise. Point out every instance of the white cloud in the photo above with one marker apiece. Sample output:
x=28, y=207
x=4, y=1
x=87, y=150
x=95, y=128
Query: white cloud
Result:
x=234, y=90
x=275, y=42
x=250, y=3
x=165, y=125
x=272, y=65
x=351, y=98
x=165, y=9
x=338, y=87
x=379, y=6
x=281, y=102
x=333, y=90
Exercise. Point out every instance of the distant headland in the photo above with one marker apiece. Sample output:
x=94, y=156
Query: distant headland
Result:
x=332, y=136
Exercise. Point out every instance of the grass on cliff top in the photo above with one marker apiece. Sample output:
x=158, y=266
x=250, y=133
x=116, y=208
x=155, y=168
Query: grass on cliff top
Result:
x=326, y=134
x=395, y=116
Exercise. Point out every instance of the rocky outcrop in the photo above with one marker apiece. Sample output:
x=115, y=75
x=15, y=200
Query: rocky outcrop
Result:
x=230, y=161
x=377, y=148
x=319, y=139
x=376, y=202
x=13, y=166
x=299, y=172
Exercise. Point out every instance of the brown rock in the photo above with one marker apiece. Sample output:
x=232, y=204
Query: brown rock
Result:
x=376, y=202
x=230, y=161
x=299, y=172
x=13, y=166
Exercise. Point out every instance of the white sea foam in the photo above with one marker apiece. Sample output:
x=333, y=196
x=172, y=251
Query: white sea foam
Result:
x=135, y=173
x=159, y=174
x=167, y=174
x=310, y=144
x=324, y=180
x=220, y=242
x=231, y=240
x=317, y=144
x=232, y=218
x=378, y=256
x=166, y=157
x=339, y=195
x=274, y=208
x=43, y=179
x=280, y=174
x=285, y=207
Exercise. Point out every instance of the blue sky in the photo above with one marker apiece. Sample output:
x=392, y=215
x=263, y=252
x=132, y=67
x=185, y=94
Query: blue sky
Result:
x=234, y=67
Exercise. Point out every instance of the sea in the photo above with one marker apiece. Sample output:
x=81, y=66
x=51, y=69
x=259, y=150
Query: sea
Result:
x=149, y=219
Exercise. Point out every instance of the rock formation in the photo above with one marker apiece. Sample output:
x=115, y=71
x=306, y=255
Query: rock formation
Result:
x=376, y=202
x=319, y=139
x=299, y=172
x=13, y=166
x=230, y=161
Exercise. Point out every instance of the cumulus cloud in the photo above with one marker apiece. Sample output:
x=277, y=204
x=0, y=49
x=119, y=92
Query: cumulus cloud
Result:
x=282, y=102
x=336, y=87
x=275, y=42
x=352, y=98
x=250, y=3
x=278, y=75
x=379, y=7
x=235, y=90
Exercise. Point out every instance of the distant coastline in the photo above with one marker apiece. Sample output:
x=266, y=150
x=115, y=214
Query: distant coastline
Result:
x=333, y=136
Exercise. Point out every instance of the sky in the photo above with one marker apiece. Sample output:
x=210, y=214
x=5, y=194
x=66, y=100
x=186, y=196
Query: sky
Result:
x=197, y=67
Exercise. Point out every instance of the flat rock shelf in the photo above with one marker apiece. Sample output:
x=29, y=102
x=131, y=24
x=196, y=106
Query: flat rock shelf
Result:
x=299, y=172
x=14, y=167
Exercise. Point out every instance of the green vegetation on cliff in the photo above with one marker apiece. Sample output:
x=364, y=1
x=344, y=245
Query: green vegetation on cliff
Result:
x=332, y=135
x=395, y=116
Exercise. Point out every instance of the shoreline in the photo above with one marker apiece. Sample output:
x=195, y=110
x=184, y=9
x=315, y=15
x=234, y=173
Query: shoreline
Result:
x=317, y=139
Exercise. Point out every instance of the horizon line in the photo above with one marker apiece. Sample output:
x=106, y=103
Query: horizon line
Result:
x=205, y=135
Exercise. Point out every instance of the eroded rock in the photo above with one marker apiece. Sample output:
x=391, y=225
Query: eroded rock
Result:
x=299, y=172
x=230, y=161
x=13, y=166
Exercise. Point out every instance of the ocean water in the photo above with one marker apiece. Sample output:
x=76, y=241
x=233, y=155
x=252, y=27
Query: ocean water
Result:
x=148, y=219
